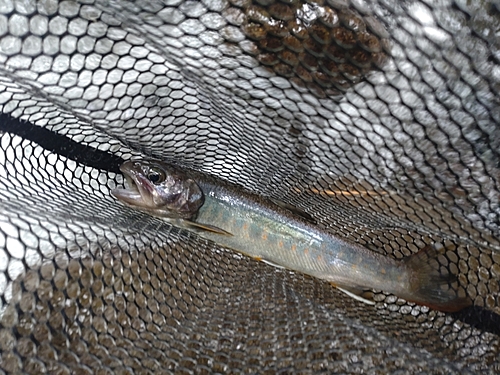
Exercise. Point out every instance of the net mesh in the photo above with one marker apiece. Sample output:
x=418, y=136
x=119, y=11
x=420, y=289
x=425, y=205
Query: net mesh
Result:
x=379, y=119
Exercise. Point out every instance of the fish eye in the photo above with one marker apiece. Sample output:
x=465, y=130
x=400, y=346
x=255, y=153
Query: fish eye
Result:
x=156, y=175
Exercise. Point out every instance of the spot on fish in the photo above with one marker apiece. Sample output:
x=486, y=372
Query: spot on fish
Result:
x=306, y=251
x=294, y=247
x=264, y=236
x=280, y=243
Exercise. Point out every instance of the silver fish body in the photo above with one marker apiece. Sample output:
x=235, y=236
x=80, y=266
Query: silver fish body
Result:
x=259, y=228
x=265, y=231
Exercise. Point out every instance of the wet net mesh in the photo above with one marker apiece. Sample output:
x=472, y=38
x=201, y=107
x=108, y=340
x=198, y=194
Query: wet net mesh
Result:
x=379, y=119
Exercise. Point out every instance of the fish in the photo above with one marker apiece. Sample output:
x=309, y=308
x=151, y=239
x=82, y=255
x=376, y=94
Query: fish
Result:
x=253, y=225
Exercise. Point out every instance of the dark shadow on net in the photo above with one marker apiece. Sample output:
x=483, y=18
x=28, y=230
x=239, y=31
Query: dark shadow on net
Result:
x=60, y=144
x=480, y=318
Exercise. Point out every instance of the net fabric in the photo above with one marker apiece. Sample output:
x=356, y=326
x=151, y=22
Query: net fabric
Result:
x=378, y=119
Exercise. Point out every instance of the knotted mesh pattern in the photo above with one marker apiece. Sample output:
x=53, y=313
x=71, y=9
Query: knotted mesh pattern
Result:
x=378, y=119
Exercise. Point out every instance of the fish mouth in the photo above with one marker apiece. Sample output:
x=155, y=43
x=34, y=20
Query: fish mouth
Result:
x=137, y=191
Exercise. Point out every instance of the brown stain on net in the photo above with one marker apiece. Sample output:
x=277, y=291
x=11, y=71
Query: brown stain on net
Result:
x=315, y=45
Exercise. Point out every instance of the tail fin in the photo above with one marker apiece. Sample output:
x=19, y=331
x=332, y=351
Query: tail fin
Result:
x=430, y=285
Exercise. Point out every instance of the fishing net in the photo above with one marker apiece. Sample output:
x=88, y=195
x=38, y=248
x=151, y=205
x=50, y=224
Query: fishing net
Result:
x=378, y=119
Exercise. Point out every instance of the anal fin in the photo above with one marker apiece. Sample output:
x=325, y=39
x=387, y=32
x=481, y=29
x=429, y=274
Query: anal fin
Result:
x=269, y=262
x=357, y=294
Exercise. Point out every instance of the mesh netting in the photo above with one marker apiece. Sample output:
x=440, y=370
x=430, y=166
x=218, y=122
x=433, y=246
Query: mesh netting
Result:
x=379, y=119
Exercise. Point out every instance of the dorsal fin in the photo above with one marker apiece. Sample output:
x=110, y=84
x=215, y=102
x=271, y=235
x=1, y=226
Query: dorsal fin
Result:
x=293, y=209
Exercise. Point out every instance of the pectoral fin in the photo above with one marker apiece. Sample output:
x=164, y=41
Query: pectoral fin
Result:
x=357, y=294
x=208, y=227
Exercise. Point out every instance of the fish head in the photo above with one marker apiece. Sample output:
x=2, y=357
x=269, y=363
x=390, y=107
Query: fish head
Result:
x=160, y=189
